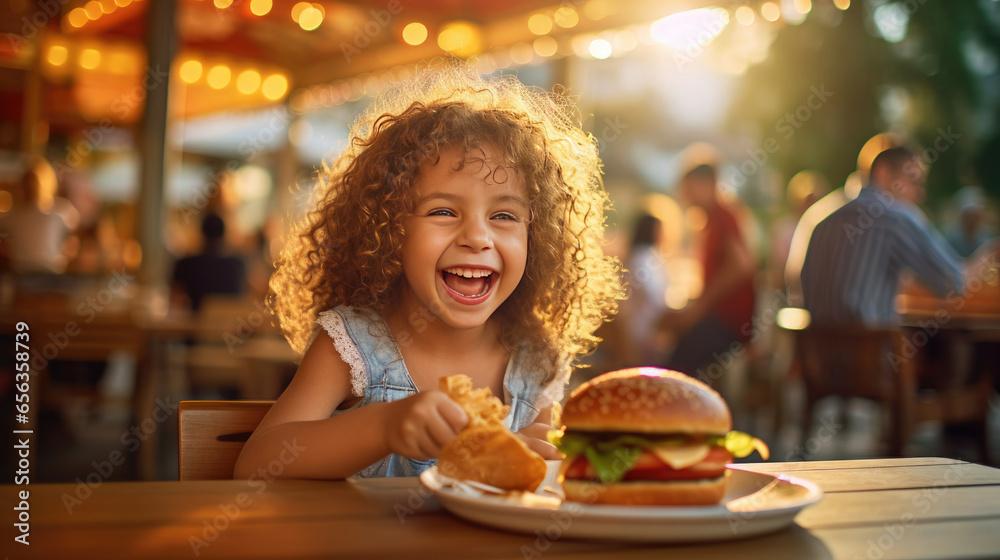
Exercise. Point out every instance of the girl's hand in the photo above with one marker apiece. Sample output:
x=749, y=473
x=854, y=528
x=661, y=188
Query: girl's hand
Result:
x=536, y=437
x=421, y=425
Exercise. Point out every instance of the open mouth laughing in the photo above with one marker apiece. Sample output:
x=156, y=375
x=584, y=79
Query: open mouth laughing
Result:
x=468, y=285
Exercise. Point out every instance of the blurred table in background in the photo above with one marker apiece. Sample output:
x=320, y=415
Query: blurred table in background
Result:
x=233, y=340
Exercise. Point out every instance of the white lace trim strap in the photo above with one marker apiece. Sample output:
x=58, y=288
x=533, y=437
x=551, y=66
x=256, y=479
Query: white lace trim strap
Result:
x=333, y=324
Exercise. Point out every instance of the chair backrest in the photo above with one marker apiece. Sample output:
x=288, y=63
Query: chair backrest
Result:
x=212, y=434
x=852, y=361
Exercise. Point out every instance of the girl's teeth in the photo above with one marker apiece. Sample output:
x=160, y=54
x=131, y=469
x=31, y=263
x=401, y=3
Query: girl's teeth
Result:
x=468, y=272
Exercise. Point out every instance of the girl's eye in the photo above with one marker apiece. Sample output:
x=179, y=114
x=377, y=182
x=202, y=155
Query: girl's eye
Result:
x=441, y=212
x=505, y=216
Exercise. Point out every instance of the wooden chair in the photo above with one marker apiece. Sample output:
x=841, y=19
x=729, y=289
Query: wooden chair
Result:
x=212, y=434
x=880, y=364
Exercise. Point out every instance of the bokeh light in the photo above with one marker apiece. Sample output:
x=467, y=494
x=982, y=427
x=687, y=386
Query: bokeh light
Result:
x=415, y=33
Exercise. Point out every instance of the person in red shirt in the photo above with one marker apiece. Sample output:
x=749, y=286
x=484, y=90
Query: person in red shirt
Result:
x=714, y=327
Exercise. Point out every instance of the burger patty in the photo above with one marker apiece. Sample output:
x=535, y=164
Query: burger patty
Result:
x=650, y=467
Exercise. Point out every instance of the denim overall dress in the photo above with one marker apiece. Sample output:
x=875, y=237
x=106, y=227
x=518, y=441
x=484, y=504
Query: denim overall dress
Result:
x=378, y=375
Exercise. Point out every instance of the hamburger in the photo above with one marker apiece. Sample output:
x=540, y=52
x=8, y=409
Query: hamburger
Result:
x=648, y=436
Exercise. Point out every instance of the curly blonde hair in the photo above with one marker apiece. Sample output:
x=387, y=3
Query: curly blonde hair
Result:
x=346, y=251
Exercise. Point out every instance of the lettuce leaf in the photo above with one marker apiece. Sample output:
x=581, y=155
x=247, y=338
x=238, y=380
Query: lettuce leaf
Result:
x=614, y=455
x=611, y=466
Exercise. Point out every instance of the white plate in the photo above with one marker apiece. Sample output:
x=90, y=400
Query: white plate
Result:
x=754, y=504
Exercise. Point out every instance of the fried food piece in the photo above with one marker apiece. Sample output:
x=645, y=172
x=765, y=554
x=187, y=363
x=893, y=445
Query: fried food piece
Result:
x=480, y=405
x=485, y=450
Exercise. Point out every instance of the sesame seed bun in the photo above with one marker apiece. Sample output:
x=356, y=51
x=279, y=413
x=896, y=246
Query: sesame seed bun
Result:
x=648, y=400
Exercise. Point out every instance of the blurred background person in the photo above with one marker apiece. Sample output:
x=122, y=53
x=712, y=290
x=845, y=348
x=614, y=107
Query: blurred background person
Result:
x=647, y=281
x=858, y=254
x=213, y=271
x=720, y=317
x=804, y=189
x=39, y=224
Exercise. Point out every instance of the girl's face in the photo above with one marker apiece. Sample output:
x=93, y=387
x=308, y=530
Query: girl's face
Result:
x=466, y=241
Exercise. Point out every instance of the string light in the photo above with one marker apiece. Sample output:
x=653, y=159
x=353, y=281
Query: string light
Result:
x=770, y=11
x=190, y=71
x=218, y=77
x=539, y=24
x=415, y=33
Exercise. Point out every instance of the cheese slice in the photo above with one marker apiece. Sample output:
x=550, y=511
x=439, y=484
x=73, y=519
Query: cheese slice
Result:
x=681, y=457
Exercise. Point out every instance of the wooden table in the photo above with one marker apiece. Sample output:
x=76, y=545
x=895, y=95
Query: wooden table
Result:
x=917, y=508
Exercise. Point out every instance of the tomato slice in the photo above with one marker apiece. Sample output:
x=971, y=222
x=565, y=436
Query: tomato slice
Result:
x=650, y=467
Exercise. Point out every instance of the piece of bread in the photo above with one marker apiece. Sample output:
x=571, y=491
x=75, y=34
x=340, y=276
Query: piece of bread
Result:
x=485, y=450
x=647, y=492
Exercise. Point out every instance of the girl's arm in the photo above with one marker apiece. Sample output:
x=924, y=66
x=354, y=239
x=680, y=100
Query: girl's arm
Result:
x=300, y=435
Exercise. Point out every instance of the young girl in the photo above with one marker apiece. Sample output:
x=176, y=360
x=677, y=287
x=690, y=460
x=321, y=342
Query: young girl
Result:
x=459, y=232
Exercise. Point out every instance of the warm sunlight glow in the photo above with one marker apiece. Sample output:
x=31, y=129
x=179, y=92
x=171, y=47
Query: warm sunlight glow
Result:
x=274, y=87
x=310, y=18
x=793, y=318
x=699, y=27
x=566, y=17
x=546, y=46
x=223, y=4
x=78, y=17
x=745, y=15
x=298, y=9
x=415, y=33
x=248, y=81
x=539, y=24
x=190, y=71
x=260, y=7
x=218, y=77
x=460, y=38
x=521, y=53
x=90, y=58
x=842, y=4
x=599, y=49
x=770, y=11
x=57, y=55
x=803, y=6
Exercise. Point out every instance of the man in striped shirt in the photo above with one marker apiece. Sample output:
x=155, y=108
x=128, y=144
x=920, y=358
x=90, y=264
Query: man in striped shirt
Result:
x=857, y=254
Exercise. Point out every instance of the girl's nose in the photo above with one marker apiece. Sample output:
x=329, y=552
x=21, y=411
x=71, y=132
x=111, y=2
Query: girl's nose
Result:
x=475, y=234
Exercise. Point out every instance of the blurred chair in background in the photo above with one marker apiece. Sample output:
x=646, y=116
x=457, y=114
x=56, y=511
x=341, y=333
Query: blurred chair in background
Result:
x=854, y=361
